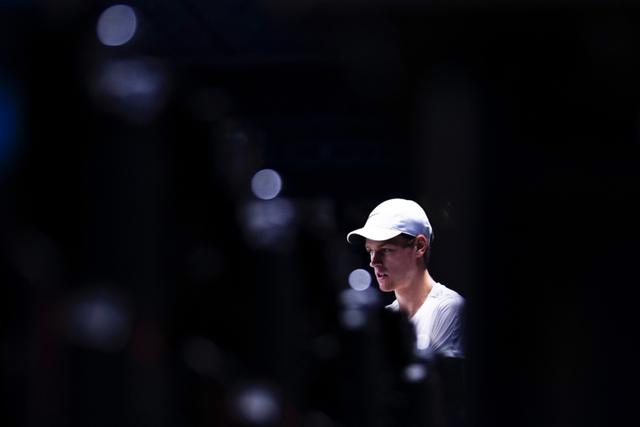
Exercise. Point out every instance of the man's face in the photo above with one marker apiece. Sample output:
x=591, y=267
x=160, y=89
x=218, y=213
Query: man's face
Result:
x=393, y=261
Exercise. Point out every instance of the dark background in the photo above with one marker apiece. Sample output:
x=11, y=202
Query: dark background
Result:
x=136, y=290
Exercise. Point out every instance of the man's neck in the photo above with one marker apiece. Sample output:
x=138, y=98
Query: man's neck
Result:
x=411, y=298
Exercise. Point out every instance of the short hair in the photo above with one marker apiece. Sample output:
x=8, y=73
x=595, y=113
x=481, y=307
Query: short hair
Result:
x=408, y=240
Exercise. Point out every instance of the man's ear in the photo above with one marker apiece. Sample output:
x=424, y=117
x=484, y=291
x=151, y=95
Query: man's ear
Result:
x=422, y=244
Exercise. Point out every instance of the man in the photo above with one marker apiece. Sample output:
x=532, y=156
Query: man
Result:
x=398, y=236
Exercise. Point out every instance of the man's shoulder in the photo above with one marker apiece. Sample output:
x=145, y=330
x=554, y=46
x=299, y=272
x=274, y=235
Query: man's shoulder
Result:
x=448, y=302
x=447, y=295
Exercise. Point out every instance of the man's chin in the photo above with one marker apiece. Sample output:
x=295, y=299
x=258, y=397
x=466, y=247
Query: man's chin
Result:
x=385, y=286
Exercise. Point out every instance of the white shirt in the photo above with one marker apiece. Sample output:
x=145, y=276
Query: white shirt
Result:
x=438, y=322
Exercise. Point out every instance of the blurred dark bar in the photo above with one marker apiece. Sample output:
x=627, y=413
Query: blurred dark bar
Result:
x=177, y=180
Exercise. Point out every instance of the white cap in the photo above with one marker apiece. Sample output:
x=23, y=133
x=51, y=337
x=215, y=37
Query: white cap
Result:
x=392, y=218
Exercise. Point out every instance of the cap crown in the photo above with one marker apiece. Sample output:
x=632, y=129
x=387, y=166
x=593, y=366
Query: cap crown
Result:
x=393, y=217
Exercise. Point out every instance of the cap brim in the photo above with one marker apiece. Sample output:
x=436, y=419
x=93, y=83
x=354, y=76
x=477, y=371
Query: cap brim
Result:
x=372, y=233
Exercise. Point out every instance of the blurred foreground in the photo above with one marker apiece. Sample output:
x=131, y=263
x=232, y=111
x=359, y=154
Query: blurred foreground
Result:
x=177, y=180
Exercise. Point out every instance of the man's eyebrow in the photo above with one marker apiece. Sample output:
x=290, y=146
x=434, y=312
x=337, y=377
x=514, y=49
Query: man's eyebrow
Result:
x=379, y=246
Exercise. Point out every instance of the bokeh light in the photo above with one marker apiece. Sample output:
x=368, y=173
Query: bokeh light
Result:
x=268, y=221
x=134, y=88
x=359, y=279
x=266, y=184
x=415, y=372
x=117, y=25
x=127, y=78
x=353, y=318
x=100, y=320
x=356, y=305
x=256, y=405
x=366, y=298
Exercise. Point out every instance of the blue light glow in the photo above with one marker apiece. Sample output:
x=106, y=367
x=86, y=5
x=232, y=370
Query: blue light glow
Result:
x=117, y=25
x=266, y=184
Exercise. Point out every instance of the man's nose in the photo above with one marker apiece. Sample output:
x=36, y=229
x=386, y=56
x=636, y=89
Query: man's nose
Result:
x=375, y=259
